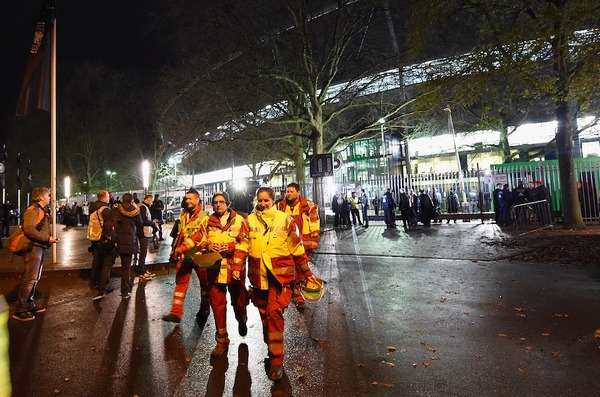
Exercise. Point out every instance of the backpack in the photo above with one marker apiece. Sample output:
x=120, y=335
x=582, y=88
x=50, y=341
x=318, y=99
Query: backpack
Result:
x=94, y=231
x=110, y=234
x=18, y=243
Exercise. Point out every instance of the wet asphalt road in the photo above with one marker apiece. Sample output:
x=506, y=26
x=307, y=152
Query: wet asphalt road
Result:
x=428, y=312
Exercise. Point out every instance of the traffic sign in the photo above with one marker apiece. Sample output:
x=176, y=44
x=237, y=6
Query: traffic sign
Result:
x=321, y=165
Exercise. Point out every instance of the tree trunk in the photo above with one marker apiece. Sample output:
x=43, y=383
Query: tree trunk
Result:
x=565, y=132
x=504, y=145
x=318, y=191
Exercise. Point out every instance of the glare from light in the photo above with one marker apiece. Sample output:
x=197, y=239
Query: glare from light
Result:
x=67, y=187
x=239, y=184
x=145, y=174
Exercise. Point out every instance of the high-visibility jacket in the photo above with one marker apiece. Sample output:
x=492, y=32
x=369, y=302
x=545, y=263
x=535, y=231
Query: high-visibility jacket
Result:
x=306, y=215
x=189, y=224
x=270, y=241
x=212, y=231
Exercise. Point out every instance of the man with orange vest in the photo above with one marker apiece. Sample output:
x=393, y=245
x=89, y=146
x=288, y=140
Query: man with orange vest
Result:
x=183, y=251
x=219, y=233
x=306, y=215
x=270, y=241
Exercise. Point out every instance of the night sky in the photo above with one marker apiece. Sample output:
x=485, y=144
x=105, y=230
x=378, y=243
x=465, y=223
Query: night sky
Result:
x=114, y=32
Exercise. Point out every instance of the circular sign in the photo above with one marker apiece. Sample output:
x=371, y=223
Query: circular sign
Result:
x=337, y=163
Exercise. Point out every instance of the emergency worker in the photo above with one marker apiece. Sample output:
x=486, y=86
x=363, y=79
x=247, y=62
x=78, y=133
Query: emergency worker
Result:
x=306, y=215
x=270, y=241
x=183, y=252
x=219, y=233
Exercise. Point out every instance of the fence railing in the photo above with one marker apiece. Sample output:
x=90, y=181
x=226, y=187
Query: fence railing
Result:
x=477, y=195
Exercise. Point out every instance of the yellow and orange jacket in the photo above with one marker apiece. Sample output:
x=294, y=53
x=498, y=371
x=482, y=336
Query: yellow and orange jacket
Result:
x=306, y=215
x=212, y=231
x=270, y=241
x=188, y=239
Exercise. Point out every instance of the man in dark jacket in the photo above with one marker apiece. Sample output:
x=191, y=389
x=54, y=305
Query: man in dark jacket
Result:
x=36, y=226
x=389, y=209
x=144, y=235
x=157, y=210
x=128, y=220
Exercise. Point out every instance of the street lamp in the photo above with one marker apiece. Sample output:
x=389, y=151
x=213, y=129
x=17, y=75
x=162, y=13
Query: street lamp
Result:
x=382, y=122
x=145, y=175
x=67, y=187
x=460, y=174
x=173, y=163
x=110, y=175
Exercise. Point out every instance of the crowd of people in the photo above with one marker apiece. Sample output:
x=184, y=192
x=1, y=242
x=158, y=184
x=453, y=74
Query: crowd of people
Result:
x=519, y=205
x=269, y=247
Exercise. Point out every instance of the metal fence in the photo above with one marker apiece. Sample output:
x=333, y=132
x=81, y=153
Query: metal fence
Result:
x=479, y=184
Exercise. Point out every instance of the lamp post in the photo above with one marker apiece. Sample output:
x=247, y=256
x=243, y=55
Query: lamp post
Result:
x=382, y=122
x=145, y=175
x=173, y=162
x=110, y=175
x=67, y=188
x=460, y=173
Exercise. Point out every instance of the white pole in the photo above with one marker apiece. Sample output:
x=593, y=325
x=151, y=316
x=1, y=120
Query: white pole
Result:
x=460, y=173
x=53, y=139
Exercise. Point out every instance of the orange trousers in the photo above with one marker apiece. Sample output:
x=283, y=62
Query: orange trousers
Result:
x=271, y=304
x=182, y=282
x=218, y=303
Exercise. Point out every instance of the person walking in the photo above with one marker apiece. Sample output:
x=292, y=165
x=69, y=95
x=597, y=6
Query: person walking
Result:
x=426, y=208
x=145, y=233
x=102, y=260
x=306, y=215
x=336, y=207
x=270, y=242
x=496, y=201
x=184, y=248
x=36, y=226
x=405, y=210
x=6, y=212
x=157, y=210
x=453, y=203
x=128, y=221
x=389, y=209
x=220, y=233
x=364, y=200
x=354, y=208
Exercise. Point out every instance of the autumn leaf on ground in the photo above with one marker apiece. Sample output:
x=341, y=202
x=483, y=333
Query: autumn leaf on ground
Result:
x=442, y=299
x=426, y=363
x=388, y=385
x=597, y=334
x=391, y=348
x=431, y=349
x=423, y=343
x=545, y=333
x=502, y=334
x=415, y=365
x=557, y=354
x=389, y=364
x=374, y=383
x=522, y=370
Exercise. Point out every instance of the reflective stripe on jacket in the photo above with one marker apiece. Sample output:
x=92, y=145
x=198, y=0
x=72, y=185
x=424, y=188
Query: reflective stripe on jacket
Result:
x=306, y=215
x=213, y=232
x=270, y=241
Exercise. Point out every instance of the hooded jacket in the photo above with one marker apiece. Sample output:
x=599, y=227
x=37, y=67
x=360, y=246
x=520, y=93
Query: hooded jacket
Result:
x=128, y=221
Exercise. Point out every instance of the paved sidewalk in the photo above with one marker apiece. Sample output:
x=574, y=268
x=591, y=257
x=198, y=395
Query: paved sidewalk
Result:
x=462, y=240
x=72, y=254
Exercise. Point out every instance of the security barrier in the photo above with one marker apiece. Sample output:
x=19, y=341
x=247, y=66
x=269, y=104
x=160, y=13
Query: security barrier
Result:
x=536, y=213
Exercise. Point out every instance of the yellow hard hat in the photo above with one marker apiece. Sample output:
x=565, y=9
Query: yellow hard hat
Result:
x=312, y=291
